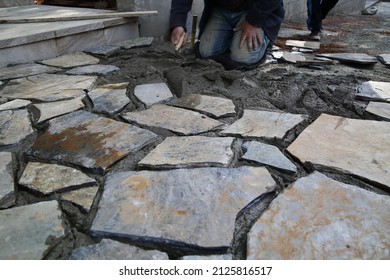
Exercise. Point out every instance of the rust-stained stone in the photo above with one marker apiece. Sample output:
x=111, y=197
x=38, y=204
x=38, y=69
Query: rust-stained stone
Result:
x=15, y=126
x=48, y=87
x=196, y=206
x=90, y=141
x=319, y=218
x=83, y=197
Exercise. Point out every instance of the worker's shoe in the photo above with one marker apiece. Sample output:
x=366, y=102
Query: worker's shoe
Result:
x=315, y=35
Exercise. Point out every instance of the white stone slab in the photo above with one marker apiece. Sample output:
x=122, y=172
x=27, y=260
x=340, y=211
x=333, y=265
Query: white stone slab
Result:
x=83, y=197
x=191, y=151
x=293, y=57
x=318, y=218
x=15, y=126
x=357, y=147
x=7, y=188
x=55, y=109
x=71, y=60
x=49, y=87
x=151, y=94
x=380, y=109
x=303, y=44
x=97, y=69
x=374, y=90
x=49, y=178
x=195, y=206
x=25, y=70
x=14, y=104
x=179, y=120
x=264, y=124
x=385, y=59
x=109, y=99
x=215, y=106
x=28, y=232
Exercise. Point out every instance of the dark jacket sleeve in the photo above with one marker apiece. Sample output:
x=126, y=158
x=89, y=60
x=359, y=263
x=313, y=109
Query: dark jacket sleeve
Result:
x=261, y=11
x=179, y=11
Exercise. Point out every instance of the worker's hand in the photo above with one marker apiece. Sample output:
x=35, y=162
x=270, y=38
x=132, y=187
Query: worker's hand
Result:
x=251, y=34
x=178, y=36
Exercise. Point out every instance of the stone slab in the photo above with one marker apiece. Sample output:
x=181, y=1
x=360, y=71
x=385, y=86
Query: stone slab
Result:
x=215, y=106
x=357, y=147
x=195, y=206
x=358, y=58
x=264, y=124
x=303, y=44
x=105, y=50
x=384, y=58
x=113, y=250
x=15, y=126
x=318, y=218
x=28, y=232
x=135, y=43
x=71, y=60
x=109, y=99
x=97, y=69
x=151, y=94
x=48, y=178
x=190, y=151
x=89, y=141
x=14, y=104
x=179, y=120
x=25, y=70
x=374, y=90
x=83, y=197
x=293, y=57
x=267, y=154
x=379, y=109
x=55, y=109
x=7, y=188
x=49, y=87
x=225, y=257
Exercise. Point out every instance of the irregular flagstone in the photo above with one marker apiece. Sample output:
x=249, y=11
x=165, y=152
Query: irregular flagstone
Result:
x=49, y=87
x=208, y=258
x=373, y=90
x=97, y=69
x=71, y=60
x=105, y=50
x=267, y=154
x=49, y=178
x=25, y=70
x=357, y=147
x=264, y=124
x=303, y=44
x=215, y=106
x=319, y=218
x=7, y=195
x=83, y=197
x=90, y=141
x=14, y=104
x=135, y=43
x=28, y=232
x=55, y=109
x=380, y=109
x=191, y=151
x=293, y=57
x=175, y=119
x=385, y=59
x=194, y=206
x=15, y=126
x=360, y=58
x=109, y=99
x=151, y=94
x=113, y=250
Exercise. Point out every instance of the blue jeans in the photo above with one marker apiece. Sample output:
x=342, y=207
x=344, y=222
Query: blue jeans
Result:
x=218, y=38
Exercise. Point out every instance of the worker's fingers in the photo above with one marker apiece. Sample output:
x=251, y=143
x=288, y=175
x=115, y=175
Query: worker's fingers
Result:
x=177, y=33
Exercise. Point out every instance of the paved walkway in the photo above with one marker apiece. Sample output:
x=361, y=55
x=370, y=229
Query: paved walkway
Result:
x=133, y=146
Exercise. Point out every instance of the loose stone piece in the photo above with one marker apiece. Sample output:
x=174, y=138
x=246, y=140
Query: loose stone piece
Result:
x=49, y=178
x=215, y=106
x=71, y=60
x=25, y=70
x=318, y=218
x=191, y=151
x=15, y=126
x=49, y=87
x=105, y=50
x=151, y=94
x=89, y=141
x=28, y=232
x=109, y=99
x=55, y=109
x=357, y=147
x=267, y=154
x=135, y=43
x=208, y=258
x=195, y=206
x=385, y=59
x=293, y=57
x=14, y=104
x=380, y=109
x=83, y=197
x=375, y=91
x=175, y=119
x=303, y=44
x=264, y=124
x=113, y=250
x=97, y=69
x=7, y=195
x=359, y=58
